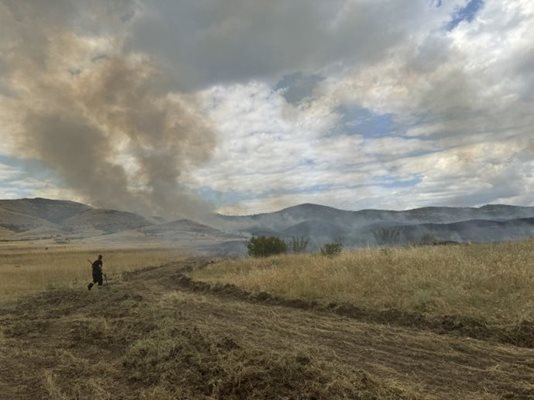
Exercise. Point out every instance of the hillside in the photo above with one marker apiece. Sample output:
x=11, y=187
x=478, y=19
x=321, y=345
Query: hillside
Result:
x=16, y=221
x=185, y=234
x=321, y=224
x=30, y=219
x=465, y=231
x=53, y=211
x=43, y=218
x=182, y=225
x=104, y=221
x=66, y=222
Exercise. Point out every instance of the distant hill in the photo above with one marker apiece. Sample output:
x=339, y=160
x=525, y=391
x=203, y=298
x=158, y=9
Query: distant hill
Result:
x=42, y=218
x=53, y=211
x=104, y=221
x=66, y=220
x=169, y=229
x=468, y=231
x=322, y=224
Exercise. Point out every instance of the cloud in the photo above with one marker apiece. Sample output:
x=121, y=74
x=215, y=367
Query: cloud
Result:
x=16, y=183
x=213, y=42
x=83, y=103
x=351, y=103
x=466, y=83
x=8, y=173
x=297, y=87
x=448, y=113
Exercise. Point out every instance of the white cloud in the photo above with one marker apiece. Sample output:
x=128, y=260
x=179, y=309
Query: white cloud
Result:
x=15, y=183
x=8, y=173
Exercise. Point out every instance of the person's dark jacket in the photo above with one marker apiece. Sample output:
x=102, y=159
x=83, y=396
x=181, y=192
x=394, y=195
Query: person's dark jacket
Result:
x=97, y=267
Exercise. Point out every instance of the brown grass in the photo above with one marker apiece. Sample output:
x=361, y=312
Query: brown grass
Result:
x=27, y=270
x=145, y=339
x=492, y=281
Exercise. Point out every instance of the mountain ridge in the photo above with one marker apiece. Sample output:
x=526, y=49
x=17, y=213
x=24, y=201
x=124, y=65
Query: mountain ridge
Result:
x=374, y=227
x=39, y=218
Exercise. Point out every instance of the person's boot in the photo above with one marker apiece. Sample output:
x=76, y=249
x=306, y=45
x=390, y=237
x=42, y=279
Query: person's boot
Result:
x=90, y=286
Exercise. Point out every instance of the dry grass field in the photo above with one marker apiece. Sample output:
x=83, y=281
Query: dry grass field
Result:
x=154, y=336
x=494, y=282
x=27, y=269
x=161, y=333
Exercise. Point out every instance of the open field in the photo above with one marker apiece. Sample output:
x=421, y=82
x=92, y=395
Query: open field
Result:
x=151, y=337
x=493, y=282
x=272, y=328
x=26, y=269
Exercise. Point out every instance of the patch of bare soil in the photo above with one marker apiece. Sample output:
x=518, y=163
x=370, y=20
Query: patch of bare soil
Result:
x=153, y=336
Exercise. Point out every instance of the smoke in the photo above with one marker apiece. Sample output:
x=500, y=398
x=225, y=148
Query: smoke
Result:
x=101, y=117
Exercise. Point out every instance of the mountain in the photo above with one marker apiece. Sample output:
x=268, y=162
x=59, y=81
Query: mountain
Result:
x=182, y=233
x=15, y=222
x=53, y=211
x=67, y=221
x=104, y=221
x=318, y=230
x=322, y=224
x=180, y=227
x=466, y=231
x=43, y=218
x=38, y=218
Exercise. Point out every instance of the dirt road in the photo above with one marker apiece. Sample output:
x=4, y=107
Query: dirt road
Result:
x=148, y=337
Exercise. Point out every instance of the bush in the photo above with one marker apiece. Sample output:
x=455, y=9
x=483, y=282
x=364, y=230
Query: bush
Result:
x=332, y=249
x=264, y=246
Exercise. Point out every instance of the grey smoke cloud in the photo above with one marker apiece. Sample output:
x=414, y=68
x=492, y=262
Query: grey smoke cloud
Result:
x=100, y=116
x=213, y=41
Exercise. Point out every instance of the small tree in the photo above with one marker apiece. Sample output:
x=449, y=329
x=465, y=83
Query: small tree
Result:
x=332, y=249
x=264, y=246
x=298, y=245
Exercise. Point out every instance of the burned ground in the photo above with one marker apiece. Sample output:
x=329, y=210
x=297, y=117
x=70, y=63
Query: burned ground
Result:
x=155, y=334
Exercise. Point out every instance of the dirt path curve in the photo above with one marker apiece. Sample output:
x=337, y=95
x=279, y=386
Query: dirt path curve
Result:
x=438, y=364
x=82, y=338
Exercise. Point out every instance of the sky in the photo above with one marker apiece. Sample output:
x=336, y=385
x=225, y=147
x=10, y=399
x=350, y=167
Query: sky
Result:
x=178, y=108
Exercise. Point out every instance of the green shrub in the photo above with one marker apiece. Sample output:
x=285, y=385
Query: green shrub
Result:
x=264, y=246
x=332, y=249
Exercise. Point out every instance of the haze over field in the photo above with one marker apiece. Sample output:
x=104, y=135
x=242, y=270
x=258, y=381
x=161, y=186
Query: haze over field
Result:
x=62, y=222
x=179, y=109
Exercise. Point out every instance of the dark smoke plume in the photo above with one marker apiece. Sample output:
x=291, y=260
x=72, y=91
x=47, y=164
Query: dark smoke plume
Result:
x=99, y=116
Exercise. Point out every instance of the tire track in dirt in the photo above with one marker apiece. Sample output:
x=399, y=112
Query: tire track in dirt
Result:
x=521, y=335
x=438, y=356
x=439, y=364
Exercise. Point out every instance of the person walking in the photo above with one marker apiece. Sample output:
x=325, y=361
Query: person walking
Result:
x=98, y=274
